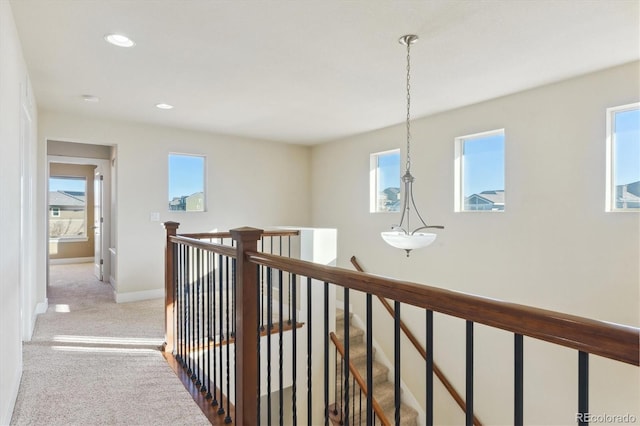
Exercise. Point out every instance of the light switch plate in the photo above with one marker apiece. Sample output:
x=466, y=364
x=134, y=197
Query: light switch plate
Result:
x=154, y=217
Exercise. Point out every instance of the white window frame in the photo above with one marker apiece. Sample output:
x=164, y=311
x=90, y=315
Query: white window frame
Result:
x=373, y=179
x=610, y=190
x=55, y=211
x=458, y=190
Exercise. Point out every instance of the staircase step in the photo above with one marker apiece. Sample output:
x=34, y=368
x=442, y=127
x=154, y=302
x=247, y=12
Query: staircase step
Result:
x=355, y=333
x=358, y=353
x=340, y=314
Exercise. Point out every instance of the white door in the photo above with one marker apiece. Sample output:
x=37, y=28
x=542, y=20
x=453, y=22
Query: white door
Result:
x=98, y=223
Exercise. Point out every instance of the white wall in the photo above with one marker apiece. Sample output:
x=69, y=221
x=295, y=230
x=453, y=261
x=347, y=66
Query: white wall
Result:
x=17, y=155
x=249, y=182
x=554, y=247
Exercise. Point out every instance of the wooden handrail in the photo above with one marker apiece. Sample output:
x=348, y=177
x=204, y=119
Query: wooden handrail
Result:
x=614, y=341
x=412, y=338
x=356, y=375
x=213, y=247
x=215, y=235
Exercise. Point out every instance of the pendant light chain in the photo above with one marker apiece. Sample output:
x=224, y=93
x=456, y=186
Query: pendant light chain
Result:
x=408, y=163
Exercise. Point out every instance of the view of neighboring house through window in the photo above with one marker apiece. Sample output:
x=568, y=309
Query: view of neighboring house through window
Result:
x=479, y=180
x=623, y=152
x=186, y=183
x=67, y=207
x=385, y=181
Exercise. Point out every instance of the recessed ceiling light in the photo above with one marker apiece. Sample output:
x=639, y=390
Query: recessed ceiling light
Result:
x=164, y=106
x=119, y=40
x=90, y=98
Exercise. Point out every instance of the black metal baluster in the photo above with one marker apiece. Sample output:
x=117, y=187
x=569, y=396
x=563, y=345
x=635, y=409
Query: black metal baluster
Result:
x=280, y=337
x=469, y=374
x=335, y=409
x=326, y=354
x=261, y=271
x=196, y=369
x=227, y=419
x=583, y=388
x=360, y=404
x=178, y=300
x=347, y=322
x=269, y=327
x=396, y=360
x=209, y=279
x=214, y=401
x=185, y=301
x=233, y=298
x=190, y=314
x=353, y=405
x=518, y=403
x=220, y=329
x=309, y=340
x=369, y=327
x=259, y=303
x=290, y=280
x=233, y=322
x=429, y=342
x=294, y=369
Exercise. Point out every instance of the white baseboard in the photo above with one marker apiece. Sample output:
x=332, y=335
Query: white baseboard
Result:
x=7, y=411
x=42, y=307
x=136, y=296
x=70, y=260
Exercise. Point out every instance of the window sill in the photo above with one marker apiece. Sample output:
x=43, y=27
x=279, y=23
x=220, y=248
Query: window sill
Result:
x=69, y=240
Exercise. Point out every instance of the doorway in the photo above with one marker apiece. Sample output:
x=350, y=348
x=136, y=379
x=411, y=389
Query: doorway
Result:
x=79, y=205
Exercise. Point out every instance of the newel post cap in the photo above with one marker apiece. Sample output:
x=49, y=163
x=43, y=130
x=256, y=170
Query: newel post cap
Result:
x=171, y=225
x=246, y=233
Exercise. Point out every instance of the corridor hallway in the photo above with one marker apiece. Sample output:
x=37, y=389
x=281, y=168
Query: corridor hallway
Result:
x=94, y=362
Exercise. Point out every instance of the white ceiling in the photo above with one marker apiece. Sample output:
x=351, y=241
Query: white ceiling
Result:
x=309, y=71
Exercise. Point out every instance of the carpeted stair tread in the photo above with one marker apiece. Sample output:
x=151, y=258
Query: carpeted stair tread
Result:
x=383, y=389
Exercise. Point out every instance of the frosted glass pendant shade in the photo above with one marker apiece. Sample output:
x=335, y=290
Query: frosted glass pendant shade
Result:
x=404, y=241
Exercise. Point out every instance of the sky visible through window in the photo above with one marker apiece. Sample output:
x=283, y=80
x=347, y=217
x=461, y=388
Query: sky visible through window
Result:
x=388, y=168
x=67, y=184
x=186, y=175
x=483, y=164
x=627, y=147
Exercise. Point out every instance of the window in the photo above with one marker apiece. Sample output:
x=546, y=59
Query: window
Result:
x=68, y=207
x=186, y=183
x=623, y=158
x=385, y=181
x=479, y=177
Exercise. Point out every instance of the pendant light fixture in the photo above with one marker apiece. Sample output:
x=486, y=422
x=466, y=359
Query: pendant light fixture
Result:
x=401, y=236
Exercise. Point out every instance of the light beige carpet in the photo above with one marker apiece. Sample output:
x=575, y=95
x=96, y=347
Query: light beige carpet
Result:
x=94, y=362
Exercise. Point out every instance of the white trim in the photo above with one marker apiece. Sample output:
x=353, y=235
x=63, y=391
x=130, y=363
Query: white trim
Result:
x=70, y=260
x=610, y=202
x=42, y=307
x=5, y=418
x=136, y=296
x=458, y=167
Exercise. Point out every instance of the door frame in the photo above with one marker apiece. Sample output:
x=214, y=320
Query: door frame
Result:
x=104, y=166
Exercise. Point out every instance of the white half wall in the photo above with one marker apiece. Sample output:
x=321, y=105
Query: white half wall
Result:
x=553, y=247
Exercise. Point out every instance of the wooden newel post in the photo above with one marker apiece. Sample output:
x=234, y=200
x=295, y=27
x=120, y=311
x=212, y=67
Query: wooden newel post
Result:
x=246, y=407
x=169, y=290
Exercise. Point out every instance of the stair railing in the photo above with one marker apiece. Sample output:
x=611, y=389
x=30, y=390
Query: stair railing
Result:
x=362, y=387
x=414, y=341
x=588, y=337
